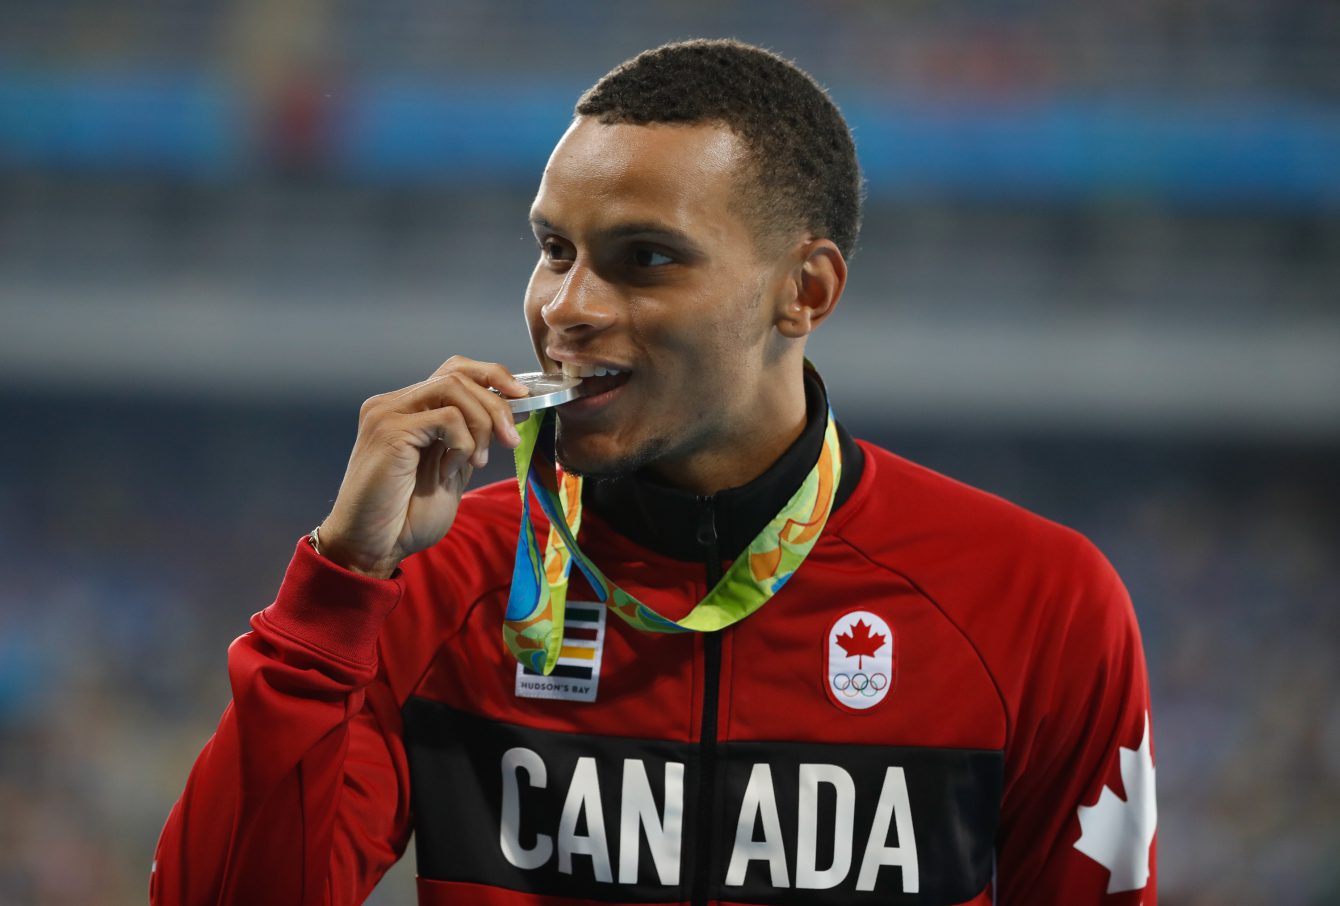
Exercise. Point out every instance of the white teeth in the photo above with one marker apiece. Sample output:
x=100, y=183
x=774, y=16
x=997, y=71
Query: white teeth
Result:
x=572, y=369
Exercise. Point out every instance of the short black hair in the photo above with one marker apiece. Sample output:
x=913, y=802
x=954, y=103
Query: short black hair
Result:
x=805, y=173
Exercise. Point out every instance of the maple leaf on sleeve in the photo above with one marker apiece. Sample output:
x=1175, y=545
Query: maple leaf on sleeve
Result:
x=1116, y=833
x=859, y=642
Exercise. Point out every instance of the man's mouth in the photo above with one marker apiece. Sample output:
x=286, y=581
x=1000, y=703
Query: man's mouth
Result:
x=574, y=369
x=598, y=385
x=597, y=379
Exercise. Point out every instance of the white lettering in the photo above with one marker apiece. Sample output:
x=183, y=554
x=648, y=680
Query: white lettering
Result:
x=639, y=808
x=509, y=836
x=584, y=797
x=759, y=802
x=893, y=804
x=807, y=843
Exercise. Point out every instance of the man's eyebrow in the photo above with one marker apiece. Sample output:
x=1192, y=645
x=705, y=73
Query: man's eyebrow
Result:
x=648, y=229
x=656, y=232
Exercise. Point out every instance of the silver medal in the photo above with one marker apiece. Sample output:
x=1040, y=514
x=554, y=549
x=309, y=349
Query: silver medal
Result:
x=546, y=389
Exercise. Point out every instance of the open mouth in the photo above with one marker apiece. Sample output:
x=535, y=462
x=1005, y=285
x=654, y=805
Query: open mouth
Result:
x=597, y=380
x=603, y=383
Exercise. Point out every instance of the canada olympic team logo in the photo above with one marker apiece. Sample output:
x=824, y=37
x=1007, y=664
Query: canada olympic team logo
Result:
x=861, y=660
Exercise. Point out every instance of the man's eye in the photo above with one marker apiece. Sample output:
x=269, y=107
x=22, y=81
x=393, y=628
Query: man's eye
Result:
x=555, y=251
x=651, y=258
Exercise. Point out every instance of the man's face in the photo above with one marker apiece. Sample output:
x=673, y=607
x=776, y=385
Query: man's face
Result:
x=646, y=267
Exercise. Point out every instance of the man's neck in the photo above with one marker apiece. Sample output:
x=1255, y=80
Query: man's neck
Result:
x=760, y=441
x=668, y=520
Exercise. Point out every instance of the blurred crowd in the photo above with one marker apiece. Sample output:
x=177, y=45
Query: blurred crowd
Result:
x=1198, y=46
x=1120, y=94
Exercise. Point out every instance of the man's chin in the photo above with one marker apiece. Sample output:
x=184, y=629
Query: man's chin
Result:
x=596, y=457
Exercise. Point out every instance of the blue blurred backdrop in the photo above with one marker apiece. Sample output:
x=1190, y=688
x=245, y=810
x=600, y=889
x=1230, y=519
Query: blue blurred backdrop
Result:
x=1100, y=276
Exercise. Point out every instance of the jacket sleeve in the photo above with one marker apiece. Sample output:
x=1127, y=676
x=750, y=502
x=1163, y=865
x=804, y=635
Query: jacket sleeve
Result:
x=302, y=794
x=1079, y=817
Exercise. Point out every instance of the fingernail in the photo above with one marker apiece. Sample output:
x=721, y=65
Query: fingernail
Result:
x=483, y=457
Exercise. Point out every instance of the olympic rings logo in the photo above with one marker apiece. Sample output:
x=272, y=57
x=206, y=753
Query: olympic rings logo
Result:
x=860, y=684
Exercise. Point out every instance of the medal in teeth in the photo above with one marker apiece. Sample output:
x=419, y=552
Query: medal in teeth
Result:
x=549, y=388
x=572, y=369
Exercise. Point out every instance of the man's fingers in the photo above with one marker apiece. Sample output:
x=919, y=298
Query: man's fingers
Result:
x=413, y=444
x=463, y=383
x=453, y=461
x=425, y=428
x=429, y=462
x=476, y=405
x=486, y=374
x=491, y=374
x=498, y=412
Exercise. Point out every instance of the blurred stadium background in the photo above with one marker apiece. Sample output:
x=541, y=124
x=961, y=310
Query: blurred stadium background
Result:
x=1099, y=276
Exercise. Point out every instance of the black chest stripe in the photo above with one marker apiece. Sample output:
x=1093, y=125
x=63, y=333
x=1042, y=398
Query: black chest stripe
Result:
x=609, y=818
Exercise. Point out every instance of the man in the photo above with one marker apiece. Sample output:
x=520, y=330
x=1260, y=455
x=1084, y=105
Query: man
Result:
x=820, y=674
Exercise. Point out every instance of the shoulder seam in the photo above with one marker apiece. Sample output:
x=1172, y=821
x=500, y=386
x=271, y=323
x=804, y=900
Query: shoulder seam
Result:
x=995, y=683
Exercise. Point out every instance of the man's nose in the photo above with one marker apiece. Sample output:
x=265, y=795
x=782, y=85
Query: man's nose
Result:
x=583, y=303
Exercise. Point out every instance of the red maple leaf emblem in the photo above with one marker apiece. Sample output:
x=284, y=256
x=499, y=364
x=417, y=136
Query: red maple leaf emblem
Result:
x=860, y=642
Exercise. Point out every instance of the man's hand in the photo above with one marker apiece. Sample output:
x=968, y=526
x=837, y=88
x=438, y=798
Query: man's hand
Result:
x=415, y=453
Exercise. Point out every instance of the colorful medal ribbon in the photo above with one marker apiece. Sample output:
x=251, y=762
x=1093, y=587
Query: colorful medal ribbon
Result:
x=533, y=626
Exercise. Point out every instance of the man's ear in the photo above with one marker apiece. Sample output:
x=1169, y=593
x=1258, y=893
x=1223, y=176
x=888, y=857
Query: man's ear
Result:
x=814, y=286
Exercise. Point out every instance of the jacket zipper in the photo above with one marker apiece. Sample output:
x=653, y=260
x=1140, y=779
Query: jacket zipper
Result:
x=703, y=867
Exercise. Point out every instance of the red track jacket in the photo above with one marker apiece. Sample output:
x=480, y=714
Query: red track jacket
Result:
x=947, y=703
